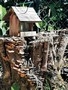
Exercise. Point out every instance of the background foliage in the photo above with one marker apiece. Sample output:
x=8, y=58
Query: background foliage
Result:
x=54, y=13
x=2, y=23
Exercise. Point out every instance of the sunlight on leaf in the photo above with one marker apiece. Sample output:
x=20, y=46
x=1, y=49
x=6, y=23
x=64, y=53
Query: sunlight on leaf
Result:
x=38, y=25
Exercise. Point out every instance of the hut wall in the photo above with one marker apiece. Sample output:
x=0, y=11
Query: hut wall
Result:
x=14, y=25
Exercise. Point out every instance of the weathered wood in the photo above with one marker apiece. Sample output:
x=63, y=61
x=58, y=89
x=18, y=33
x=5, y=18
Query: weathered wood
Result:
x=6, y=66
x=26, y=14
x=21, y=19
x=36, y=53
x=45, y=54
x=28, y=34
x=14, y=25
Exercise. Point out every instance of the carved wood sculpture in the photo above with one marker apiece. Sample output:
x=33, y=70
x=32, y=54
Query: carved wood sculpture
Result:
x=41, y=53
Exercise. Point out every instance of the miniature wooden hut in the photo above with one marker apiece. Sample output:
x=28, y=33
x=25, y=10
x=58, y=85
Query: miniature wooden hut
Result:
x=21, y=19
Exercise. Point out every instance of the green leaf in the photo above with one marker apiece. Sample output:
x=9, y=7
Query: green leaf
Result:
x=2, y=12
x=15, y=86
x=52, y=7
x=53, y=18
x=2, y=27
x=38, y=25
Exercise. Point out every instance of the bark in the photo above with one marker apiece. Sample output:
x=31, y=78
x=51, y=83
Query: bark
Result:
x=6, y=67
x=36, y=53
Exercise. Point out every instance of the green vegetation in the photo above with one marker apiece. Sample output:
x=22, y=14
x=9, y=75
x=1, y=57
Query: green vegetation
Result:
x=15, y=86
x=2, y=23
x=2, y=12
x=54, y=14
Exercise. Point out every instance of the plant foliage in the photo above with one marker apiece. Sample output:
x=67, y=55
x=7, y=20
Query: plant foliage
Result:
x=54, y=14
x=15, y=86
x=2, y=12
x=2, y=23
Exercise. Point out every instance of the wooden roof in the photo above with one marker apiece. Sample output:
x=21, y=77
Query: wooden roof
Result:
x=25, y=14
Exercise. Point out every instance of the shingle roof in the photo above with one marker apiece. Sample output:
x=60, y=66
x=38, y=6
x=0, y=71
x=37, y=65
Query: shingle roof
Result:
x=26, y=14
